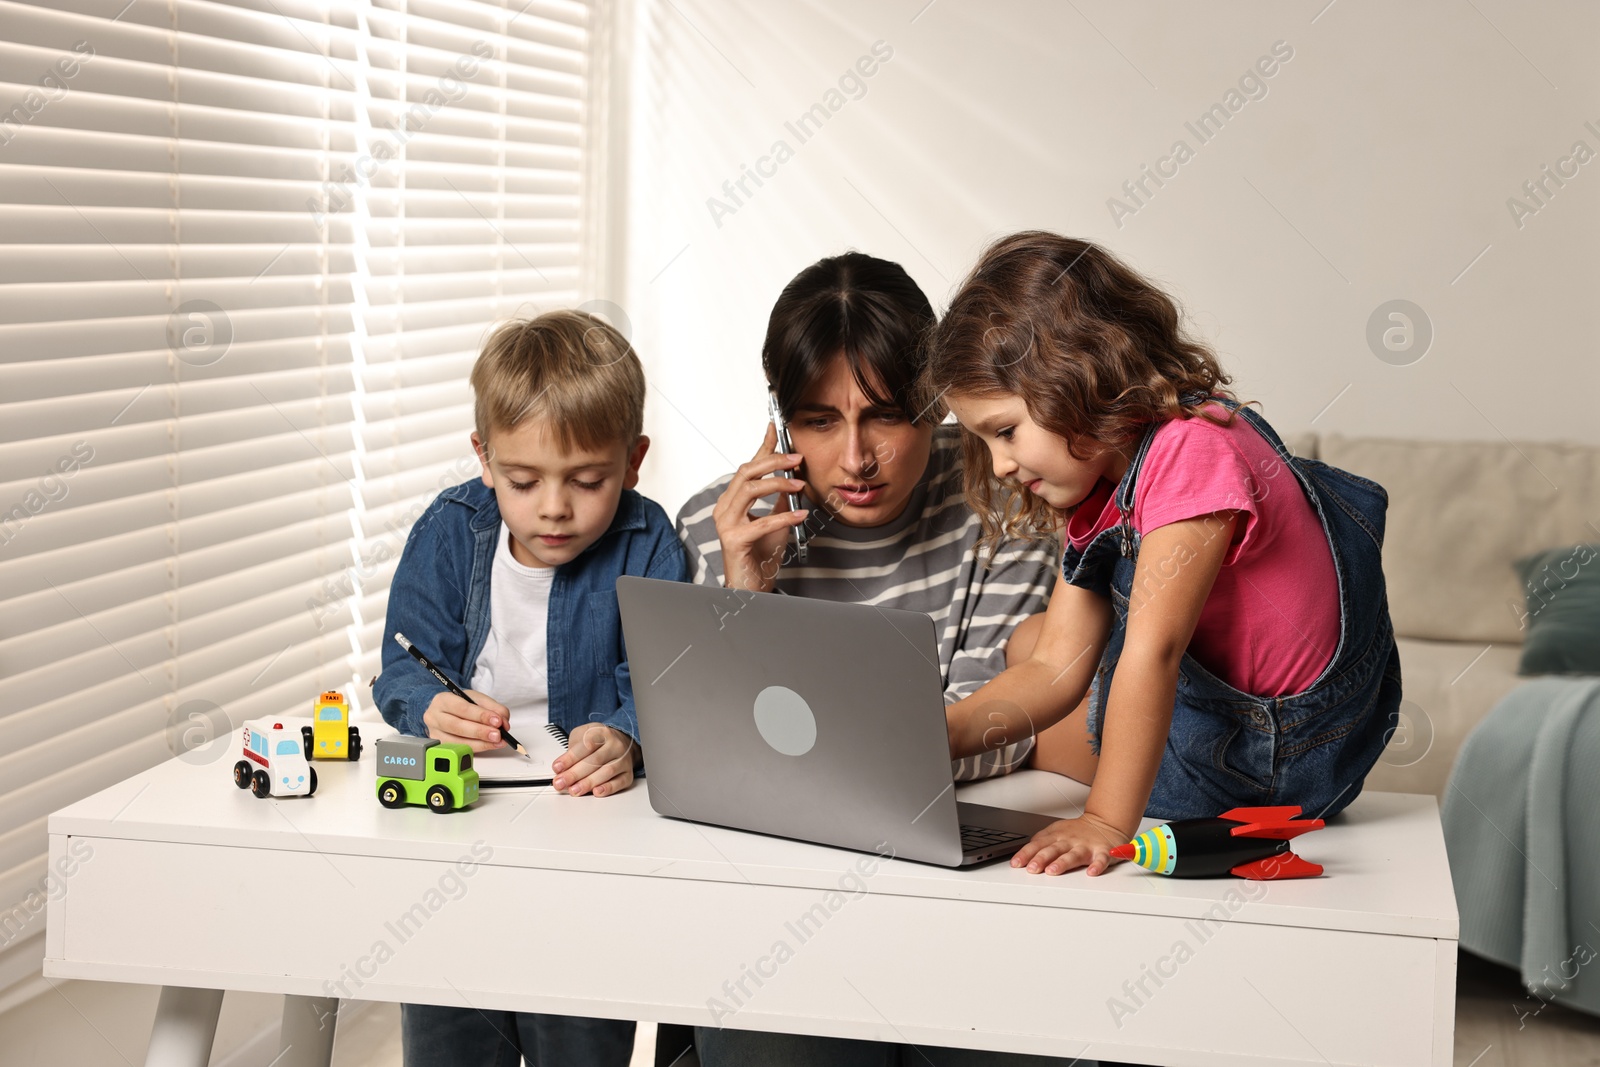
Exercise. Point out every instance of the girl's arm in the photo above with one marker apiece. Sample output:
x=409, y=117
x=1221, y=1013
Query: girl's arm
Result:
x=1177, y=566
x=996, y=599
x=1044, y=688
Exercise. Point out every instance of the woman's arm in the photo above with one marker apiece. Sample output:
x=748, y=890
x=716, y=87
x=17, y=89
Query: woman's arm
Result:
x=1177, y=566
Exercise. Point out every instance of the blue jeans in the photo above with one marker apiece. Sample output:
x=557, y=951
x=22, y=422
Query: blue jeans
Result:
x=750, y=1048
x=433, y=1036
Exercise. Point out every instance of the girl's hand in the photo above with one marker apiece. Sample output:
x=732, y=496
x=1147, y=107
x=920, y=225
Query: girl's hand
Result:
x=1070, y=843
x=457, y=722
x=598, y=760
x=753, y=548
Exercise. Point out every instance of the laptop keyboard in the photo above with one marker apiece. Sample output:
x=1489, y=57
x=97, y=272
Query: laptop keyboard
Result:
x=975, y=838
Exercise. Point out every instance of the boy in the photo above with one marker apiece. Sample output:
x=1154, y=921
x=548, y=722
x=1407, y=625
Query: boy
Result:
x=508, y=583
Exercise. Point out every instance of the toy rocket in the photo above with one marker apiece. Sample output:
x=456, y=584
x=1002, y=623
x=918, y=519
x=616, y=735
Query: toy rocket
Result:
x=1247, y=842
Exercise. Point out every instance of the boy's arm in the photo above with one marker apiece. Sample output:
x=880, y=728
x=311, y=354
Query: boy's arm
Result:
x=1015, y=586
x=603, y=753
x=427, y=604
x=668, y=563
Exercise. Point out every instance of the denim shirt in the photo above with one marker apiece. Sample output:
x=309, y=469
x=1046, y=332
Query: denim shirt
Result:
x=440, y=600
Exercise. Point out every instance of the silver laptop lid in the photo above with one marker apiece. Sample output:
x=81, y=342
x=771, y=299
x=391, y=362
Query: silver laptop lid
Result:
x=785, y=715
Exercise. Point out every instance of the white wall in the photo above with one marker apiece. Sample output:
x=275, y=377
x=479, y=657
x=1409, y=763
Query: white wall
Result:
x=1377, y=166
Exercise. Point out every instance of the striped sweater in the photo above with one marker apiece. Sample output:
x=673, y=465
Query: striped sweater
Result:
x=925, y=560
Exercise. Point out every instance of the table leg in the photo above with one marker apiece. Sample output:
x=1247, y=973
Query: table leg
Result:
x=307, y=1036
x=186, y=1025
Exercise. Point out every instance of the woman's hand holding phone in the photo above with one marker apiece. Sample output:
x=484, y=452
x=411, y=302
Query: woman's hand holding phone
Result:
x=752, y=548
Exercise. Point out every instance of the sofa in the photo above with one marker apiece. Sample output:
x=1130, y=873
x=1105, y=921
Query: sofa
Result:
x=1460, y=513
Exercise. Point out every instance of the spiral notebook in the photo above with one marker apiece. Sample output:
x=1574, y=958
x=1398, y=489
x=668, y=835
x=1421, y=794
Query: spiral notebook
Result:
x=505, y=767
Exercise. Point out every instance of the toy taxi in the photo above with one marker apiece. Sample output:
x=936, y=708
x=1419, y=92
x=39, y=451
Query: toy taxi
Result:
x=274, y=761
x=330, y=735
x=421, y=770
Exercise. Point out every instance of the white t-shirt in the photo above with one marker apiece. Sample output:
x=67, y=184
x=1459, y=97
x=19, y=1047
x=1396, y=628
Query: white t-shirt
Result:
x=511, y=667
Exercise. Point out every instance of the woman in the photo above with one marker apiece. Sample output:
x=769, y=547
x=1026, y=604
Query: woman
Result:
x=887, y=525
x=886, y=520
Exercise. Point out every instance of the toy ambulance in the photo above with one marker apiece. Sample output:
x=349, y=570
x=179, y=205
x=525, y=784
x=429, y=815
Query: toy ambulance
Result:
x=330, y=735
x=274, y=761
x=421, y=770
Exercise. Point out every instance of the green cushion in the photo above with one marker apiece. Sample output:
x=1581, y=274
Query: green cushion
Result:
x=1562, y=586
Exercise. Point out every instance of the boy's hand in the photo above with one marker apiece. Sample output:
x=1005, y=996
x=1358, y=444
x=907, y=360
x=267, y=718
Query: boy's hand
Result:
x=598, y=760
x=457, y=722
x=1070, y=843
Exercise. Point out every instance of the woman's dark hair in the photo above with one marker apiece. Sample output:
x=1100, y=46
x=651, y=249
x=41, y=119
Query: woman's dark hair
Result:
x=865, y=308
x=1096, y=351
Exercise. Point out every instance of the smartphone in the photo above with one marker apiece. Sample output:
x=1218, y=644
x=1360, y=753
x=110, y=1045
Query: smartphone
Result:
x=796, y=501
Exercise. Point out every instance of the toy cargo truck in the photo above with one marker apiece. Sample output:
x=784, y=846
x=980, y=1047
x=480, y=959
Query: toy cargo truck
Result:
x=421, y=770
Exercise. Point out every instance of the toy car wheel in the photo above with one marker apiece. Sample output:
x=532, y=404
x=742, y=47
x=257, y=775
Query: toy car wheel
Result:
x=439, y=798
x=261, y=785
x=355, y=745
x=305, y=741
x=312, y=771
x=392, y=794
x=241, y=774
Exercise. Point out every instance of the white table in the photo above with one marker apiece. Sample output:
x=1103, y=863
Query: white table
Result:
x=601, y=907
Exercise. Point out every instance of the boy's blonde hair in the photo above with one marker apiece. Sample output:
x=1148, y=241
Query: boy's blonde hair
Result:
x=569, y=368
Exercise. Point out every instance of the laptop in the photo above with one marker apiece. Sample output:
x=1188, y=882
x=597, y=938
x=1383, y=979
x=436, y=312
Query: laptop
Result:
x=805, y=719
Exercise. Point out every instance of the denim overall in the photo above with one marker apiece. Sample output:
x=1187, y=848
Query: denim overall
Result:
x=1227, y=748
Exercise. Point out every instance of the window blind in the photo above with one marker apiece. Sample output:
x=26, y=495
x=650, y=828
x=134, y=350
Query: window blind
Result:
x=247, y=253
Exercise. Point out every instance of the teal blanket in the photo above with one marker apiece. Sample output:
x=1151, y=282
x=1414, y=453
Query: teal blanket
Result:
x=1522, y=829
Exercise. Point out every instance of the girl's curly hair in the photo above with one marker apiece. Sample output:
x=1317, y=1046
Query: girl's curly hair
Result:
x=1095, y=350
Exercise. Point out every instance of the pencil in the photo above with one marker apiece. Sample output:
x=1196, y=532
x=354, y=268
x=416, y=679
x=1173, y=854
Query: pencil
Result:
x=417, y=655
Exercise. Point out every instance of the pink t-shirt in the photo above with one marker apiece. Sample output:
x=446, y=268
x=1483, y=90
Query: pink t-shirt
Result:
x=1271, y=623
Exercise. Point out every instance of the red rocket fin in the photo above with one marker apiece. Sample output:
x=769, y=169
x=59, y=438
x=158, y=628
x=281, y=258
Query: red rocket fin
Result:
x=1273, y=868
x=1282, y=831
x=1283, y=814
x=1279, y=824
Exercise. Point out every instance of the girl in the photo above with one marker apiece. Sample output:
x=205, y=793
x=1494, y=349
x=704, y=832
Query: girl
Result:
x=1222, y=603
